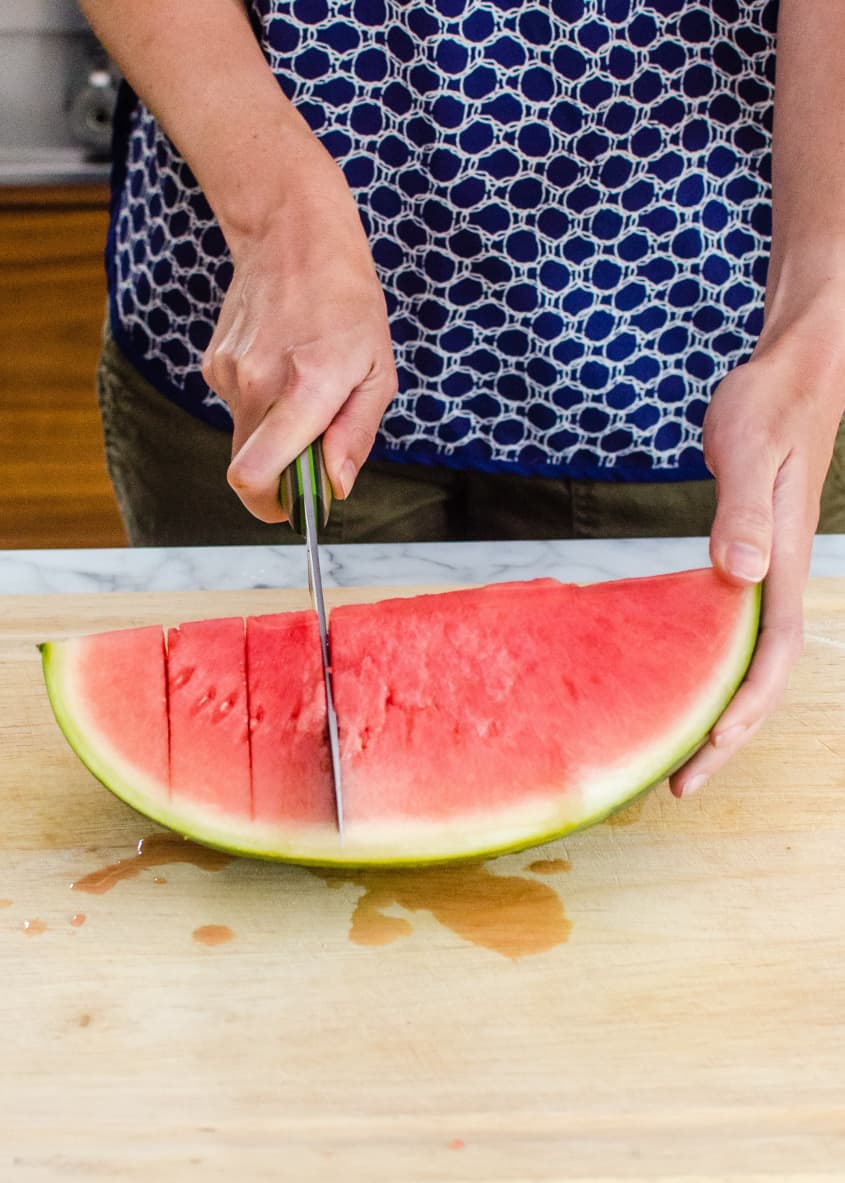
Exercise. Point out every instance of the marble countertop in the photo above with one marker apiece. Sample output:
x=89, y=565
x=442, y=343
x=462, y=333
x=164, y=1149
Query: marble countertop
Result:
x=44, y=572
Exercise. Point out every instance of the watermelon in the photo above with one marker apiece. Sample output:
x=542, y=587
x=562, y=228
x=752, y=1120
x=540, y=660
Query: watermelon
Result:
x=292, y=780
x=471, y=722
x=207, y=709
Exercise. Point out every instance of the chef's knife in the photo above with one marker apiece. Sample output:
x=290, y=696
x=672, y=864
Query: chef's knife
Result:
x=306, y=496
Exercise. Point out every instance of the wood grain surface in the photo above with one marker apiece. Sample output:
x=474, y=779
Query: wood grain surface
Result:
x=661, y=998
x=54, y=490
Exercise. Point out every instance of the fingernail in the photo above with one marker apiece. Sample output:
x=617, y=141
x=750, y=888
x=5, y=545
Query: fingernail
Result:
x=693, y=785
x=746, y=562
x=724, y=739
x=348, y=474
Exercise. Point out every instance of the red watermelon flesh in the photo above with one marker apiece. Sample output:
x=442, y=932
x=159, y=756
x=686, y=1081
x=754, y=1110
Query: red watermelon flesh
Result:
x=291, y=770
x=566, y=684
x=471, y=722
x=207, y=703
x=114, y=686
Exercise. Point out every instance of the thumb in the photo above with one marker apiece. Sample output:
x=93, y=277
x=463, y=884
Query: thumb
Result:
x=741, y=536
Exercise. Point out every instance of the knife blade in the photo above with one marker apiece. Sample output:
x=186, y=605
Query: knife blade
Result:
x=306, y=496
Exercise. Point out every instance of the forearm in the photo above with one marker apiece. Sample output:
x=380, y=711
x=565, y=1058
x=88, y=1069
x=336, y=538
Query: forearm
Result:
x=770, y=427
x=808, y=167
x=198, y=67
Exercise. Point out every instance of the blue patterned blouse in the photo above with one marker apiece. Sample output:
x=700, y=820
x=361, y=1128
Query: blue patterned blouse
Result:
x=568, y=202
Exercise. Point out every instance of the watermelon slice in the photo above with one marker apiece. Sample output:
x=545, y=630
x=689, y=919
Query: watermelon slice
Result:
x=292, y=781
x=471, y=722
x=109, y=695
x=207, y=706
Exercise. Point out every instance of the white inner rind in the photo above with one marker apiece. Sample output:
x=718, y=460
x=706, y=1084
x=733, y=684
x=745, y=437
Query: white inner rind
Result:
x=541, y=815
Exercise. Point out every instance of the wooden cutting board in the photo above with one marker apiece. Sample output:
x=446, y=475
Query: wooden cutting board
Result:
x=659, y=998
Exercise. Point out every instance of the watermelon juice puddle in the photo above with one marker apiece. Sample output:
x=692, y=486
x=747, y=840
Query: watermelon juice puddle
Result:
x=156, y=850
x=549, y=866
x=213, y=934
x=507, y=914
x=34, y=928
x=628, y=815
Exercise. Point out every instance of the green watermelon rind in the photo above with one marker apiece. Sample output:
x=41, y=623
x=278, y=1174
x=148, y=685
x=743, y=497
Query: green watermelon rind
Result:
x=320, y=847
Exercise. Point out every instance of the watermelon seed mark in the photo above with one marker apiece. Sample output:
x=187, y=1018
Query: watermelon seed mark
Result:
x=224, y=708
x=183, y=677
x=506, y=914
x=156, y=850
x=209, y=696
x=84, y=1020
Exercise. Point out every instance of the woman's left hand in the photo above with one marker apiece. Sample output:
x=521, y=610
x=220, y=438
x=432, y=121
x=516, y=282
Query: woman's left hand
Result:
x=768, y=439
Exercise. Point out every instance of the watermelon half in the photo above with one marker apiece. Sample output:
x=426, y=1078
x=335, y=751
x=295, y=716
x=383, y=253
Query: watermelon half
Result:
x=471, y=722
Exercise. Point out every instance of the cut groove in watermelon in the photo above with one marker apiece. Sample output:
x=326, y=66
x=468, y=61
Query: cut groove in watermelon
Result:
x=208, y=711
x=292, y=783
x=471, y=722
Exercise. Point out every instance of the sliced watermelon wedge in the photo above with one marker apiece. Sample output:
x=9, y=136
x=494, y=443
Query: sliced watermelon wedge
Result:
x=207, y=711
x=471, y=722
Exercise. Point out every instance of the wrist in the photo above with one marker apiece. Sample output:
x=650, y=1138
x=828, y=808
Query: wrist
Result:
x=808, y=275
x=803, y=336
x=276, y=182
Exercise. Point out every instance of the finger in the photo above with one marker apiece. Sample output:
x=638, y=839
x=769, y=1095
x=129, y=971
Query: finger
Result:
x=741, y=536
x=777, y=650
x=349, y=439
x=225, y=350
x=781, y=635
x=290, y=423
x=264, y=377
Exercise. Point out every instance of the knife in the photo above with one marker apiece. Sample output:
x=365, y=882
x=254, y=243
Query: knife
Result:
x=306, y=496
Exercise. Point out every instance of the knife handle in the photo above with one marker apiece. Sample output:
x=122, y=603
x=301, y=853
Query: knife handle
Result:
x=306, y=476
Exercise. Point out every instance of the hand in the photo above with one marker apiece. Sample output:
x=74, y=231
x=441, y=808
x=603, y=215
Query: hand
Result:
x=302, y=344
x=768, y=438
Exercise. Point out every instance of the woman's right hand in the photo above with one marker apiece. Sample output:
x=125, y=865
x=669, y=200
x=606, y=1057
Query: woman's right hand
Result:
x=302, y=345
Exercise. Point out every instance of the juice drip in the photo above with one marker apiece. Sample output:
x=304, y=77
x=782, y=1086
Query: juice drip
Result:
x=156, y=850
x=213, y=934
x=507, y=914
x=627, y=816
x=549, y=866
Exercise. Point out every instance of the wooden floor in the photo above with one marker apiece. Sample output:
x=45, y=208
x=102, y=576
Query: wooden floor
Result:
x=54, y=490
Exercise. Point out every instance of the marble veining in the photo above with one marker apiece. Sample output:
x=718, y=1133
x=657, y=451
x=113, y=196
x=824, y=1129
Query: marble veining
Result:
x=44, y=572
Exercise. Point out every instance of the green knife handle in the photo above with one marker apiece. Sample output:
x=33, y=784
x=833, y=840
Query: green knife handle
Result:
x=306, y=476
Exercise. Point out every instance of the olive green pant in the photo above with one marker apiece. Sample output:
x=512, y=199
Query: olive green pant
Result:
x=169, y=475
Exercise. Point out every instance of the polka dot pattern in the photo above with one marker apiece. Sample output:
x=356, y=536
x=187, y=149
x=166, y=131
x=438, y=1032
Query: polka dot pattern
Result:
x=567, y=202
